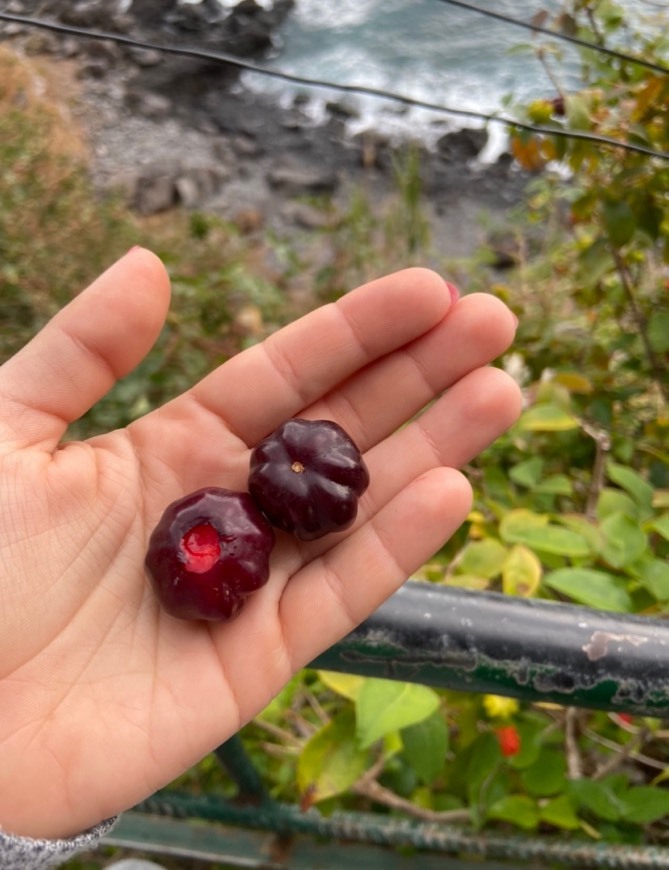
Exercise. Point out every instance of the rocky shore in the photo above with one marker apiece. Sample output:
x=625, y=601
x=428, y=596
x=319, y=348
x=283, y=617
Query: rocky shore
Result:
x=174, y=131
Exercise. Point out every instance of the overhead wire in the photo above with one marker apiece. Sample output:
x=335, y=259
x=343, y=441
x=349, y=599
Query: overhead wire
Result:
x=560, y=35
x=306, y=81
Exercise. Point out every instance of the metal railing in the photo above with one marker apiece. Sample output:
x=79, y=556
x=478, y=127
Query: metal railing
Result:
x=449, y=638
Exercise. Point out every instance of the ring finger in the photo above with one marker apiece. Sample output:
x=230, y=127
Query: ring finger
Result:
x=382, y=397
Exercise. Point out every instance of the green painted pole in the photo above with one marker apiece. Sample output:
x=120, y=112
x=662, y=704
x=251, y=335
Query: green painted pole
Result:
x=531, y=649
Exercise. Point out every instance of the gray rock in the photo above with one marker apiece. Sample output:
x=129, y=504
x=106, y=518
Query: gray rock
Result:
x=303, y=215
x=345, y=109
x=246, y=146
x=149, y=104
x=154, y=194
x=295, y=182
x=145, y=57
x=462, y=144
x=94, y=14
x=95, y=68
x=195, y=185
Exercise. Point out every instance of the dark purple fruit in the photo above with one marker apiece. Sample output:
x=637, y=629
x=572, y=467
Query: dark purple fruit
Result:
x=209, y=551
x=307, y=478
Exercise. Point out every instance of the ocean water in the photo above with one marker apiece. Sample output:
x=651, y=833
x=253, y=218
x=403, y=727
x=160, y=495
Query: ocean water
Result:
x=424, y=49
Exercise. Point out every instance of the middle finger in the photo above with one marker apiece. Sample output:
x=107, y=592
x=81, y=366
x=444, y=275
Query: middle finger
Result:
x=382, y=397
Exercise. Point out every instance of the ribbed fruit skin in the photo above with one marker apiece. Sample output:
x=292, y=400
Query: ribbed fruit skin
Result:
x=246, y=541
x=307, y=477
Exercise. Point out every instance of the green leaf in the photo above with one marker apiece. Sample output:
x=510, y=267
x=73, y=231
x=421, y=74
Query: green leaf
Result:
x=276, y=708
x=595, y=262
x=658, y=331
x=425, y=747
x=521, y=574
x=484, y=757
x=661, y=526
x=535, y=531
x=518, y=809
x=466, y=581
x=547, y=418
x=556, y=484
x=482, y=558
x=645, y=803
x=654, y=575
x=641, y=491
x=346, y=685
x=613, y=501
x=530, y=745
x=383, y=706
x=623, y=542
x=547, y=775
x=578, y=113
x=575, y=382
x=522, y=518
x=588, y=529
x=593, y=588
x=619, y=222
x=598, y=797
x=560, y=812
x=527, y=473
x=331, y=760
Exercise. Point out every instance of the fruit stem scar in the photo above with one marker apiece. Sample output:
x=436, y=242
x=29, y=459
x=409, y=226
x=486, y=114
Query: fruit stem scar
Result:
x=297, y=467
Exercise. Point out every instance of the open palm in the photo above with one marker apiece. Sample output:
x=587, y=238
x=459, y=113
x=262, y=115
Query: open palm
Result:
x=104, y=697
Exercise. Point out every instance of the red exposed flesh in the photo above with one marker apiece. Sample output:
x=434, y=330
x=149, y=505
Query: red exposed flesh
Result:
x=201, y=547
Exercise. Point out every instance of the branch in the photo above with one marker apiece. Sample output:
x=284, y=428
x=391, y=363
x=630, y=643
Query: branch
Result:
x=628, y=750
x=574, y=763
x=602, y=441
x=315, y=705
x=280, y=733
x=541, y=55
x=657, y=370
x=369, y=787
x=633, y=754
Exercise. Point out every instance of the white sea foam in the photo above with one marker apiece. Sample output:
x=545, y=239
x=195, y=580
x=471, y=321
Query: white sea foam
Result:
x=424, y=49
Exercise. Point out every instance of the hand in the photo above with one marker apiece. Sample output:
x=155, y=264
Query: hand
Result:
x=103, y=697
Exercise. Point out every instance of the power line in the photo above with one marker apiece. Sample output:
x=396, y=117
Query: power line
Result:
x=364, y=90
x=556, y=34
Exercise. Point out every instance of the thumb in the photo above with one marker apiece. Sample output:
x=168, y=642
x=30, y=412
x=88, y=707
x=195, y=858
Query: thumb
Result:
x=80, y=354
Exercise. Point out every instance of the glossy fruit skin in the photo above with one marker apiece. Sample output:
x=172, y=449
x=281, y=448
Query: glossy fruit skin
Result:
x=307, y=477
x=184, y=584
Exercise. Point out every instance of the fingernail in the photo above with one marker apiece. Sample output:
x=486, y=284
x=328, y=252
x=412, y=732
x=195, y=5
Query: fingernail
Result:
x=132, y=250
x=453, y=290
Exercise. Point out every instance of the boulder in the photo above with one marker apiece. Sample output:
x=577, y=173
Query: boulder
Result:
x=295, y=181
x=154, y=193
x=464, y=144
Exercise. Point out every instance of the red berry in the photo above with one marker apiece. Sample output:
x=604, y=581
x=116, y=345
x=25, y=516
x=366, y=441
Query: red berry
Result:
x=307, y=478
x=509, y=739
x=209, y=551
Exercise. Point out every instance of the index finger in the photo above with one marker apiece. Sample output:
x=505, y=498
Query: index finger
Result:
x=263, y=386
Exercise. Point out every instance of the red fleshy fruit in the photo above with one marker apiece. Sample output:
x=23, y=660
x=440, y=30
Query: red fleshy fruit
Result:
x=209, y=551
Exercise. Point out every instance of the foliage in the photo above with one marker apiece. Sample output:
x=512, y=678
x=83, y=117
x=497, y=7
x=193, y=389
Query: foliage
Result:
x=372, y=235
x=53, y=222
x=572, y=504
x=50, y=223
